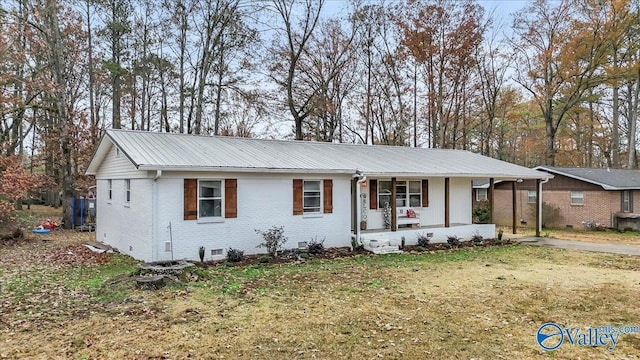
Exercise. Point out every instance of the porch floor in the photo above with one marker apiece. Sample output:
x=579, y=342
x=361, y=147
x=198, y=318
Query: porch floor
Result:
x=409, y=228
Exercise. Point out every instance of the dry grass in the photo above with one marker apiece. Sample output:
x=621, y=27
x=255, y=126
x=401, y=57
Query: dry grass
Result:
x=609, y=236
x=481, y=303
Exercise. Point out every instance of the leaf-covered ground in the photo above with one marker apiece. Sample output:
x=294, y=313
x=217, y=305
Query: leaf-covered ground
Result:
x=59, y=301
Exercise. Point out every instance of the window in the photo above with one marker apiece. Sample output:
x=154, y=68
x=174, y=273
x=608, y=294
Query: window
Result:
x=626, y=201
x=110, y=189
x=577, y=198
x=415, y=193
x=127, y=191
x=481, y=194
x=531, y=196
x=311, y=196
x=209, y=198
x=408, y=193
x=384, y=193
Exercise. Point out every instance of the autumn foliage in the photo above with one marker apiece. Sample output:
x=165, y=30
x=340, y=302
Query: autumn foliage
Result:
x=15, y=184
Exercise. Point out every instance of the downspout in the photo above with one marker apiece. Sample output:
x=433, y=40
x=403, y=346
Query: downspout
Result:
x=362, y=178
x=539, y=224
x=154, y=217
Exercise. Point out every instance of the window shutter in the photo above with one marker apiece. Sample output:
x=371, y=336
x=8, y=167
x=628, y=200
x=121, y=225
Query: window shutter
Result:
x=190, y=199
x=328, y=196
x=230, y=198
x=297, y=196
x=425, y=193
x=630, y=200
x=373, y=194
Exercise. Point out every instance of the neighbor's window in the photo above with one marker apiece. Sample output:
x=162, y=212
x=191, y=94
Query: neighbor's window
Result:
x=210, y=198
x=110, y=189
x=577, y=198
x=481, y=194
x=408, y=193
x=626, y=201
x=531, y=196
x=311, y=196
x=127, y=190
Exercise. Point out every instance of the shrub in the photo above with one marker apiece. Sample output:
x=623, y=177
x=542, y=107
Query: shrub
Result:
x=550, y=214
x=274, y=239
x=482, y=214
x=315, y=247
x=453, y=241
x=264, y=258
x=419, y=248
x=343, y=252
x=235, y=255
x=423, y=240
x=476, y=237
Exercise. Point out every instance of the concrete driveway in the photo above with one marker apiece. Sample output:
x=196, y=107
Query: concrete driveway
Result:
x=582, y=245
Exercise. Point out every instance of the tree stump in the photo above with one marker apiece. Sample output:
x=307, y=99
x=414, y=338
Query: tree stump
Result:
x=153, y=282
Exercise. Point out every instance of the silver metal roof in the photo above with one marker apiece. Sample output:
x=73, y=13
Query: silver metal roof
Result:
x=609, y=179
x=180, y=152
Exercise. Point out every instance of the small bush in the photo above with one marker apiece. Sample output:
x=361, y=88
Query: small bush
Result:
x=482, y=214
x=274, y=239
x=264, y=258
x=423, y=240
x=315, y=247
x=476, y=238
x=304, y=255
x=343, y=252
x=235, y=255
x=419, y=248
x=453, y=241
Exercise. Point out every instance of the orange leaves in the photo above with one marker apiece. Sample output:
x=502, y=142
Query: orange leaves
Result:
x=14, y=181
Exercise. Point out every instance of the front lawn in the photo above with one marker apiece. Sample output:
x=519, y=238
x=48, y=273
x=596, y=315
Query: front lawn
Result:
x=481, y=303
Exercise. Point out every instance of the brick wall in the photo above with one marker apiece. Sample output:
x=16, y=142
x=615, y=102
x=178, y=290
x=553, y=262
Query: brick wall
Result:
x=597, y=206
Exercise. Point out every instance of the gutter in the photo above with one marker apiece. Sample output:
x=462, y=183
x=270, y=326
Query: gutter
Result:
x=539, y=224
x=362, y=179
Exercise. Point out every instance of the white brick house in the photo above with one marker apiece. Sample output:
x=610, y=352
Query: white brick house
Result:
x=161, y=196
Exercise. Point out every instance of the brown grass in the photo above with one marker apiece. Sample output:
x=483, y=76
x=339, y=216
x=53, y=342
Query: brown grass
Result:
x=608, y=236
x=477, y=303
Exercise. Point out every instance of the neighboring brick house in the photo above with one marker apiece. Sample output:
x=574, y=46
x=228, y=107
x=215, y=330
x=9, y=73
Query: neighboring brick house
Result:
x=585, y=197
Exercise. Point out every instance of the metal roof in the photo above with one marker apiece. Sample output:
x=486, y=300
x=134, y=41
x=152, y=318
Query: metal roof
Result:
x=609, y=179
x=182, y=152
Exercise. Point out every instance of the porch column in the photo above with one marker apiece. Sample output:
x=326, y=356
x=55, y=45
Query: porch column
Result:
x=490, y=198
x=538, y=208
x=446, y=202
x=394, y=215
x=513, y=206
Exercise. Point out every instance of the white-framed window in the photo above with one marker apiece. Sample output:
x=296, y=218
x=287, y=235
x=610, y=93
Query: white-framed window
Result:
x=626, y=201
x=408, y=193
x=209, y=198
x=481, y=194
x=127, y=191
x=531, y=196
x=311, y=197
x=415, y=193
x=109, y=189
x=577, y=197
x=384, y=193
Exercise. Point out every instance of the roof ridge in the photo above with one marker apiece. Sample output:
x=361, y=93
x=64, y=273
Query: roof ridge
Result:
x=322, y=143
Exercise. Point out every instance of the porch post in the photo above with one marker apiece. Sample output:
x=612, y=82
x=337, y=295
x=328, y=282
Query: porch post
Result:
x=490, y=198
x=513, y=206
x=446, y=202
x=538, y=209
x=394, y=217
